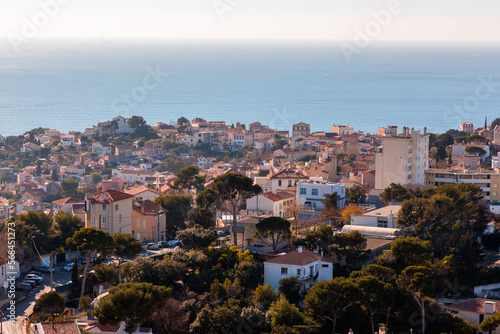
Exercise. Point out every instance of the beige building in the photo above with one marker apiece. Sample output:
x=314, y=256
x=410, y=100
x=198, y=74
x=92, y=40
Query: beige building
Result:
x=389, y=131
x=148, y=221
x=110, y=211
x=402, y=159
x=488, y=180
x=342, y=130
x=301, y=129
x=466, y=127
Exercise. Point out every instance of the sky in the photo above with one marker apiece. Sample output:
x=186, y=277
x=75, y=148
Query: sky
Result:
x=409, y=20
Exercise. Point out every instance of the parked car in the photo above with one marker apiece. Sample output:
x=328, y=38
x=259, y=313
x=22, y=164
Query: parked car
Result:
x=173, y=243
x=33, y=272
x=145, y=254
x=152, y=245
x=34, y=277
x=47, y=270
x=162, y=244
x=23, y=287
x=68, y=267
x=30, y=282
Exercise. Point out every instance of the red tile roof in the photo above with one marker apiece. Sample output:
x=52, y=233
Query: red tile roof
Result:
x=109, y=196
x=67, y=200
x=97, y=327
x=296, y=258
x=288, y=174
x=147, y=207
x=60, y=327
x=137, y=190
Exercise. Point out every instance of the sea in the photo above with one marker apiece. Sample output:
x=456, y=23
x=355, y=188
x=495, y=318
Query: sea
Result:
x=73, y=84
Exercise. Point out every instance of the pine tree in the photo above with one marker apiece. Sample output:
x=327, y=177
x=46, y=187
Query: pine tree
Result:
x=55, y=175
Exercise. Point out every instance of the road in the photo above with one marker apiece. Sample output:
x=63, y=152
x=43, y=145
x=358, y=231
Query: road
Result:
x=24, y=308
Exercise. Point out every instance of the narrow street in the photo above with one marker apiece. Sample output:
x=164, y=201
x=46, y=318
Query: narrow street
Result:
x=25, y=307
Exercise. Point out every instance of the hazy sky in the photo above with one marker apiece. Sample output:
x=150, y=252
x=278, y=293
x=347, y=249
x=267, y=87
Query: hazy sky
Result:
x=448, y=20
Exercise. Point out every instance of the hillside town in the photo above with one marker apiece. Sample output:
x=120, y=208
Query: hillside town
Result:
x=242, y=228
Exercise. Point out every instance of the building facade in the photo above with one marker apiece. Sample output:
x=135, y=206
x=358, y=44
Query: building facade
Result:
x=402, y=159
x=310, y=194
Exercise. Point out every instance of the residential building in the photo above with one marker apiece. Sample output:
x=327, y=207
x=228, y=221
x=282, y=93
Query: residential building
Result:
x=467, y=127
x=51, y=188
x=383, y=217
x=102, y=148
x=153, y=149
x=110, y=211
x=123, y=152
x=285, y=178
x=264, y=143
x=310, y=194
x=114, y=183
x=307, y=266
x=342, y=130
x=66, y=204
x=278, y=205
x=148, y=221
x=4, y=209
x=205, y=162
x=458, y=149
x=143, y=193
x=23, y=177
x=129, y=177
x=325, y=168
x=496, y=135
x=5, y=273
x=301, y=129
x=475, y=310
x=67, y=140
x=28, y=147
x=240, y=139
x=389, y=131
x=402, y=159
x=487, y=180
x=67, y=172
x=123, y=126
x=55, y=327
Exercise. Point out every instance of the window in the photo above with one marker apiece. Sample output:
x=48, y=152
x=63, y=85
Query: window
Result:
x=104, y=207
x=120, y=218
x=495, y=177
x=284, y=271
x=93, y=207
x=298, y=272
x=314, y=191
x=324, y=266
x=311, y=270
x=116, y=207
x=303, y=191
x=103, y=220
x=495, y=185
x=279, y=183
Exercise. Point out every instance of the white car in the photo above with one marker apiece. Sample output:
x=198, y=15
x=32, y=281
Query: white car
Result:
x=68, y=267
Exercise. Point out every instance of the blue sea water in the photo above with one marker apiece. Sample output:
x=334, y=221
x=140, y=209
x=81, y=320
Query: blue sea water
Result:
x=74, y=84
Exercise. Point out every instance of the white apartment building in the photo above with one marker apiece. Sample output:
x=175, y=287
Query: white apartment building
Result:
x=310, y=194
x=308, y=266
x=402, y=159
x=383, y=217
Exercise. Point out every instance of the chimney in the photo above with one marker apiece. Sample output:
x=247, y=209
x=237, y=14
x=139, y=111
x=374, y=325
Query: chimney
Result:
x=489, y=307
x=425, y=131
x=299, y=249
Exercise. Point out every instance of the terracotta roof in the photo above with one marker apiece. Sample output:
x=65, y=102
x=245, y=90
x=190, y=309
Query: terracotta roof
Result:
x=67, y=200
x=473, y=305
x=60, y=327
x=137, y=190
x=288, y=174
x=147, y=207
x=36, y=191
x=109, y=196
x=296, y=258
x=97, y=327
x=138, y=172
x=276, y=197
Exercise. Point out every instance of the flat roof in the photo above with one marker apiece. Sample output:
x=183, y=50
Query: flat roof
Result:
x=385, y=211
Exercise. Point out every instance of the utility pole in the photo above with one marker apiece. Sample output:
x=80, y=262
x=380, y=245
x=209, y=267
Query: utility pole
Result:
x=52, y=271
